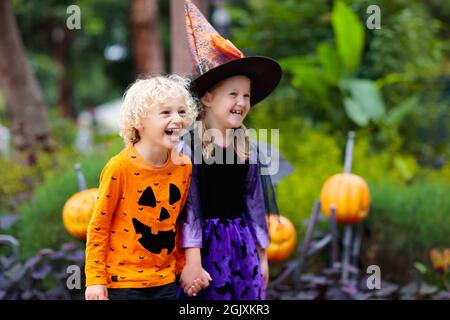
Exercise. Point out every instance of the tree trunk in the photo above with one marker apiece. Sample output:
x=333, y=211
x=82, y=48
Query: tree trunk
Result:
x=59, y=43
x=181, y=61
x=147, y=47
x=25, y=104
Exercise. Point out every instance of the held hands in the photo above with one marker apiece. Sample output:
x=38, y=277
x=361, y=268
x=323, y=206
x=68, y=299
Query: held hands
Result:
x=194, y=279
x=96, y=292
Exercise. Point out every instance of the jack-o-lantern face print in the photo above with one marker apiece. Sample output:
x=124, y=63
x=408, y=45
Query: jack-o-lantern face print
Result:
x=156, y=240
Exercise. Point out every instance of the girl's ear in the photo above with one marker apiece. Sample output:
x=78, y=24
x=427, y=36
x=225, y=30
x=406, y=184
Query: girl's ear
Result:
x=206, y=99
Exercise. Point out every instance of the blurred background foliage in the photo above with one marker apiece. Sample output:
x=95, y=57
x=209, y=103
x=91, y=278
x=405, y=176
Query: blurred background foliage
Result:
x=392, y=88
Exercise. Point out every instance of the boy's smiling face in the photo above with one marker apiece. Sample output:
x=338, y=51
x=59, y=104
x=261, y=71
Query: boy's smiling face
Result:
x=228, y=103
x=164, y=124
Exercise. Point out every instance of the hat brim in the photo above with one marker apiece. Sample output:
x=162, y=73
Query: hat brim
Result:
x=265, y=74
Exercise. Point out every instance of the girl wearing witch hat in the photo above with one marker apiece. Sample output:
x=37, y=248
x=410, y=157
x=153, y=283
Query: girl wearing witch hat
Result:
x=224, y=229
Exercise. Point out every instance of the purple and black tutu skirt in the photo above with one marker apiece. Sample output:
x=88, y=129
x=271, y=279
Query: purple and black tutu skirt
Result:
x=230, y=256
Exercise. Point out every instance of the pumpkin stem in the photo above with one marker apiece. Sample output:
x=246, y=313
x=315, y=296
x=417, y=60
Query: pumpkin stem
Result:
x=81, y=180
x=346, y=256
x=334, y=236
x=303, y=248
x=349, y=152
x=356, y=248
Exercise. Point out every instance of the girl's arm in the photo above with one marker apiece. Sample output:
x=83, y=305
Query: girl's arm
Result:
x=193, y=277
x=191, y=227
x=254, y=202
x=256, y=209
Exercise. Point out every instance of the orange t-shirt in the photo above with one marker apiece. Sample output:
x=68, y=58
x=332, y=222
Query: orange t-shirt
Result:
x=131, y=238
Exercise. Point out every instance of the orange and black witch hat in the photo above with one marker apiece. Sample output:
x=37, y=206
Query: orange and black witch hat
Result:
x=215, y=59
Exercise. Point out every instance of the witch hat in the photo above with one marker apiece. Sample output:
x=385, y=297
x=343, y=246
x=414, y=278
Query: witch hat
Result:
x=215, y=59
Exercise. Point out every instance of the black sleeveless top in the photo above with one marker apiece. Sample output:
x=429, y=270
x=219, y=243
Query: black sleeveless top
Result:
x=222, y=185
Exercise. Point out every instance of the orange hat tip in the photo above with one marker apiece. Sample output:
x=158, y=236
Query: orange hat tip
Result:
x=226, y=47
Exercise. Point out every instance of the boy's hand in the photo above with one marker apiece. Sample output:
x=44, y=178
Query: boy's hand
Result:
x=96, y=292
x=264, y=265
x=193, y=279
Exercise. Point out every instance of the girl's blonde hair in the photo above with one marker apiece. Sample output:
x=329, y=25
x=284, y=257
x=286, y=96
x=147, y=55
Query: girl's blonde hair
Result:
x=147, y=93
x=241, y=142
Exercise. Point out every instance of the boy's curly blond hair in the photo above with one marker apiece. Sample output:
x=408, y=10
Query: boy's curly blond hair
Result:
x=147, y=93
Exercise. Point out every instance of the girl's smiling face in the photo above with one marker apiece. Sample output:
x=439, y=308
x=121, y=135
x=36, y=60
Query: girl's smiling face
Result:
x=228, y=103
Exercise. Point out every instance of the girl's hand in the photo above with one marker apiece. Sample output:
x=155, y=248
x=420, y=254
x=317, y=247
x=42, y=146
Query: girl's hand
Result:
x=96, y=292
x=264, y=265
x=194, y=289
x=193, y=279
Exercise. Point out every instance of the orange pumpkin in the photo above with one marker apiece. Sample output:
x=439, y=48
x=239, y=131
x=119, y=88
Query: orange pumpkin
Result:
x=78, y=211
x=440, y=260
x=350, y=195
x=283, y=238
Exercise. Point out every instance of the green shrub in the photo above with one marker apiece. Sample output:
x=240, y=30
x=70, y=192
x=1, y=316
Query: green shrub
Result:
x=315, y=157
x=406, y=222
x=40, y=222
x=385, y=164
x=18, y=182
x=14, y=181
x=409, y=212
